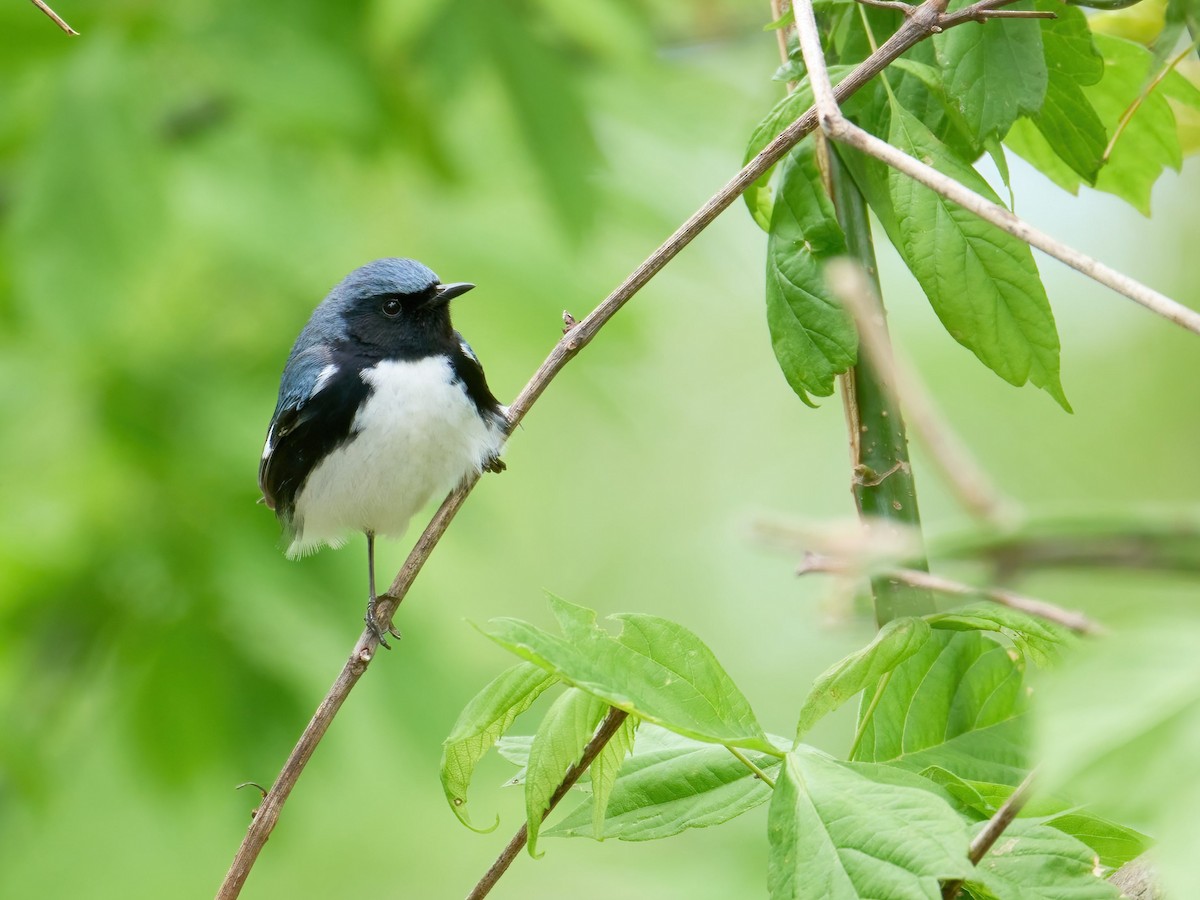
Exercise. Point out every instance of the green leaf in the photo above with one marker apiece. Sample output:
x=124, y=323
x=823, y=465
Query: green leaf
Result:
x=978, y=65
x=982, y=282
x=792, y=106
x=656, y=670
x=1036, y=862
x=812, y=335
x=896, y=641
x=669, y=784
x=1037, y=639
x=1118, y=728
x=1028, y=142
x=837, y=835
x=1071, y=127
x=480, y=724
x=1149, y=142
x=1067, y=41
x=958, y=703
x=605, y=768
x=559, y=743
x=1067, y=120
x=1114, y=844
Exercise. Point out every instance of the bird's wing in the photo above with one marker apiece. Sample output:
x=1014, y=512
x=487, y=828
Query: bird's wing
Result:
x=469, y=371
x=307, y=373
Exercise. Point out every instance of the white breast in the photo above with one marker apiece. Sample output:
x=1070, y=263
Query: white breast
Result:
x=418, y=435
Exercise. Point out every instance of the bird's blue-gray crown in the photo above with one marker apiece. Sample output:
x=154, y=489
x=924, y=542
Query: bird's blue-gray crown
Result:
x=395, y=276
x=329, y=325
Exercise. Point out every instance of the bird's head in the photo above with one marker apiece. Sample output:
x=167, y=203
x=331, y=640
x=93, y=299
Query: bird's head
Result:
x=395, y=306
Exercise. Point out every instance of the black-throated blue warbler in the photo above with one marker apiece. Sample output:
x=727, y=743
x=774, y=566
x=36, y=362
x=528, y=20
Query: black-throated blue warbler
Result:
x=382, y=405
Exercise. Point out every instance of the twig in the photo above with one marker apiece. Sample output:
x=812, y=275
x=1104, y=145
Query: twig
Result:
x=749, y=764
x=1128, y=115
x=966, y=478
x=916, y=28
x=606, y=730
x=981, y=13
x=905, y=8
x=838, y=127
x=1068, y=618
x=57, y=19
x=995, y=827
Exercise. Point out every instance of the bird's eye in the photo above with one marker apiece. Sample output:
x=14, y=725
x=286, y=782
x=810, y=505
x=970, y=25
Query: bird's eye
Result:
x=391, y=307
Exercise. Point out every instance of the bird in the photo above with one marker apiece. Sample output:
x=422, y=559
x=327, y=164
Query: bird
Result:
x=382, y=405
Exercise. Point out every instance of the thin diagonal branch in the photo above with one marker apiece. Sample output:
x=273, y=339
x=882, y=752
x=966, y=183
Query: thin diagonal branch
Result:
x=838, y=127
x=603, y=734
x=57, y=19
x=916, y=28
x=925, y=20
x=995, y=827
x=1068, y=618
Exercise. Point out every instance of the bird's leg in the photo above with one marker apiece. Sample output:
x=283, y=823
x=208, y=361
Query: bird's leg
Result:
x=494, y=464
x=369, y=618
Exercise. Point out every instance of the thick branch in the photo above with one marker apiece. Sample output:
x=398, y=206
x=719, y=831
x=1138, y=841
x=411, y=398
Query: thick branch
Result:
x=603, y=734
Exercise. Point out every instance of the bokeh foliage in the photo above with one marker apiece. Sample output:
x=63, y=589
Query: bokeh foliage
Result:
x=179, y=186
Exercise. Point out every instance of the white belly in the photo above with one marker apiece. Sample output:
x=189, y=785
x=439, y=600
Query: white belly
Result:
x=418, y=435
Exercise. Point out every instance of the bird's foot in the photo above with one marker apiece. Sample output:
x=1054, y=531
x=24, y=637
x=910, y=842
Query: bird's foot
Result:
x=380, y=633
x=494, y=464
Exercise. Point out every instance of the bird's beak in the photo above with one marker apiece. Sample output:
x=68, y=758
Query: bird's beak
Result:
x=447, y=292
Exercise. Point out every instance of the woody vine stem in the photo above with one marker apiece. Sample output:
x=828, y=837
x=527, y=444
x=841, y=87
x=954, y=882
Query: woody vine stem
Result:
x=920, y=22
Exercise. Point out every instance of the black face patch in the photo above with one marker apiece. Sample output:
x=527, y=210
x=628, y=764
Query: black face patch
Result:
x=400, y=326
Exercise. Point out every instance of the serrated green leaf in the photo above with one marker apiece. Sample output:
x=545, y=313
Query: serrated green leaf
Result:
x=958, y=703
x=1071, y=127
x=758, y=196
x=978, y=65
x=559, y=743
x=605, y=768
x=656, y=670
x=1037, y=639
x=812, y=335
x=1030, y=144
x=1036, y=862
x=1118, y=728
x=669, y=784
x=1149, y=142
x=1068, y=45
x=896, y=641
x=982, y=282
x=837, y=835
x=487, y=716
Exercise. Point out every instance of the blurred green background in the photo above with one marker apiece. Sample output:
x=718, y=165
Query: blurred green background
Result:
x=180, y=185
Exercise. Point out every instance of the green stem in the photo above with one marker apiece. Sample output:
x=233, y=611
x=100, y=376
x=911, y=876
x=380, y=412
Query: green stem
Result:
x=884, y=489
x=865, y=715
x=749, y=764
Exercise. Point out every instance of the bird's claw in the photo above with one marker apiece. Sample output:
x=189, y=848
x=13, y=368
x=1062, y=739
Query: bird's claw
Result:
x=380, y=633
x=494, y=464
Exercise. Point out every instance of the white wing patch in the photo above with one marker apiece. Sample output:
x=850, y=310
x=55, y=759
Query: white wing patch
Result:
x=323, y=379
x=466, y=348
